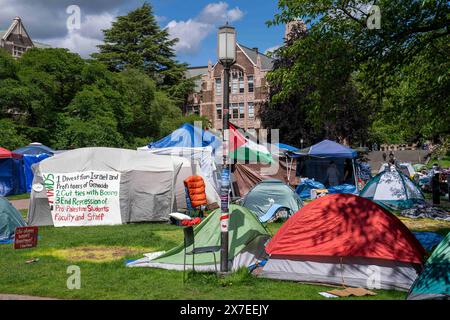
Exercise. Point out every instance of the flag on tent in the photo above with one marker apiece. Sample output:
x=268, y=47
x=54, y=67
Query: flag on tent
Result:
x=244, y=149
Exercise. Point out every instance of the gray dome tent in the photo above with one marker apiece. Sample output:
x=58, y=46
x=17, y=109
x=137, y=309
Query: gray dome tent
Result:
x=268, y=193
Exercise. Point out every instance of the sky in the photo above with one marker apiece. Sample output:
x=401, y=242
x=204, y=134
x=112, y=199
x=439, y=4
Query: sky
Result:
x=193, y=22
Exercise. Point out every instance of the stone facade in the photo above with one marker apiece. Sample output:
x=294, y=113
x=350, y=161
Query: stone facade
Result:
x=16, y=40
x=248, y=89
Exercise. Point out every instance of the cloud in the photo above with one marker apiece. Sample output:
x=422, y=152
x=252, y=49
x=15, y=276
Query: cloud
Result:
x=85, y=40
x=272, y=49
x=45, y=21
x=76, y=42
x=192, y=32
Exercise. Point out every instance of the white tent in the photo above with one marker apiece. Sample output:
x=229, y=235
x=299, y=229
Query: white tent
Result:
x=203, y=156
x=100, y=186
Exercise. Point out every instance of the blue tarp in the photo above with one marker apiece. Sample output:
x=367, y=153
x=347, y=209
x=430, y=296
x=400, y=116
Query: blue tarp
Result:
x=28, y=161
x=12, y=178
x=428, y=240
x=286, y=147
x=327, y=149
x=305, y=186
x=343, y=188
x=35, y=149
x=33, y=153
x=188, y=136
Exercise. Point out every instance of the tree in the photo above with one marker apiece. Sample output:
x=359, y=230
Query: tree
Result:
x=136, y=41
x=400, y=65
x=313, y=82
x=11, y=138
x=89, y=121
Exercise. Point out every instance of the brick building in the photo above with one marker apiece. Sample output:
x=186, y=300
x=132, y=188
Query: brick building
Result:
x=248, y=89
x=16, y=39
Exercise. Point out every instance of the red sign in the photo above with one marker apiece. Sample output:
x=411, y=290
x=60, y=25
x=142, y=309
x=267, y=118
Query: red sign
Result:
x=25, y=237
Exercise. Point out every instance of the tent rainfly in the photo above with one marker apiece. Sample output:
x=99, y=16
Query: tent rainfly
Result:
x=434, y=281
x=188, y=136
x=33, y=153
x=341, y=239
x=12, y=178
x=270, y=192
x=247, y=238
x=10, y=219
x=393, y=189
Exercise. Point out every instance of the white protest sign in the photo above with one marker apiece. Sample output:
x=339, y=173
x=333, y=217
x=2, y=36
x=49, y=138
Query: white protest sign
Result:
x=83, y=198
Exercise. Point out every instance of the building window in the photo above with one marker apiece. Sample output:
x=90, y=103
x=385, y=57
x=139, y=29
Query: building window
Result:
x=250, y=83
x=241, y=111
x=218, y=111
x=235, y=108
x=241, y=84
x=234, y=84
x=251, y=110
x=218, y=86
x=196, y=110
x=18, y=51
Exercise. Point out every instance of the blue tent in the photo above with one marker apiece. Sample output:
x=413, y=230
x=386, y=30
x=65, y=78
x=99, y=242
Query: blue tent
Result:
x=188, y=136
x=35, y=148
x=28, y=161
x=12, y=179
x=33, y=153
x=327, y=149
x=314, y=161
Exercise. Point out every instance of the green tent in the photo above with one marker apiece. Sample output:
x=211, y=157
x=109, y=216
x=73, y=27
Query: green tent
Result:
x=247, y=237
x=434, y=281
x=10, y=218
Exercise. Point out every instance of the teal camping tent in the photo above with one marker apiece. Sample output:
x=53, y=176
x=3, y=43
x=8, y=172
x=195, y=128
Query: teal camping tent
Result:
x=270, y=193
x=393, y=189
x=10, y=219
x=434, y=281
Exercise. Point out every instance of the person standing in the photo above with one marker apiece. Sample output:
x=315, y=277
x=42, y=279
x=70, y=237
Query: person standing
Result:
x=332, y=174
x=348, y=171
x=391, y=158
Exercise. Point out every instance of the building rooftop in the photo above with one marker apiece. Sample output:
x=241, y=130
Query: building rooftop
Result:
x=252, y=54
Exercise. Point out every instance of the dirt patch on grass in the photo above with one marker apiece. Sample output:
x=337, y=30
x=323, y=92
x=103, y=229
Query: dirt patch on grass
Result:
x=93, y=253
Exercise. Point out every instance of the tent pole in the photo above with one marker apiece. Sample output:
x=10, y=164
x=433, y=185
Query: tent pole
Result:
x=354, y=175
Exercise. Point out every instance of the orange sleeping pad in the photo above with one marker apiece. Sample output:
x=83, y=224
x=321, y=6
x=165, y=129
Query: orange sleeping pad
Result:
x=196, y=189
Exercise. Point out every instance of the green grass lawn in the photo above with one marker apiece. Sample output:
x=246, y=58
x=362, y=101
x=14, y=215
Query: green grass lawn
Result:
x=101, y=252
x=443, y=163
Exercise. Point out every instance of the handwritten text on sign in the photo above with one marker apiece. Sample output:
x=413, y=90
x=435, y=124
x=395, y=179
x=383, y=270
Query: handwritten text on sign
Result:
x=83, y=198
x=25, y=237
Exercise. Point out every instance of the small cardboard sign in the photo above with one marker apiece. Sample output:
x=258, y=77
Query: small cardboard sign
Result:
x=25, y=237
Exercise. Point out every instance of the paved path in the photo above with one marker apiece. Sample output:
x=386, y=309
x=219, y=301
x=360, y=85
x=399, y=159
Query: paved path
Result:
x=22, y=297
x=21, y=204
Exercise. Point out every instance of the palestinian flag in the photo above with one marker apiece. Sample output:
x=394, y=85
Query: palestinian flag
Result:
x=243, y=149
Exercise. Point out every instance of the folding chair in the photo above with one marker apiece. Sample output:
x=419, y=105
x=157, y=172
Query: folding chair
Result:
x=190, y=240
